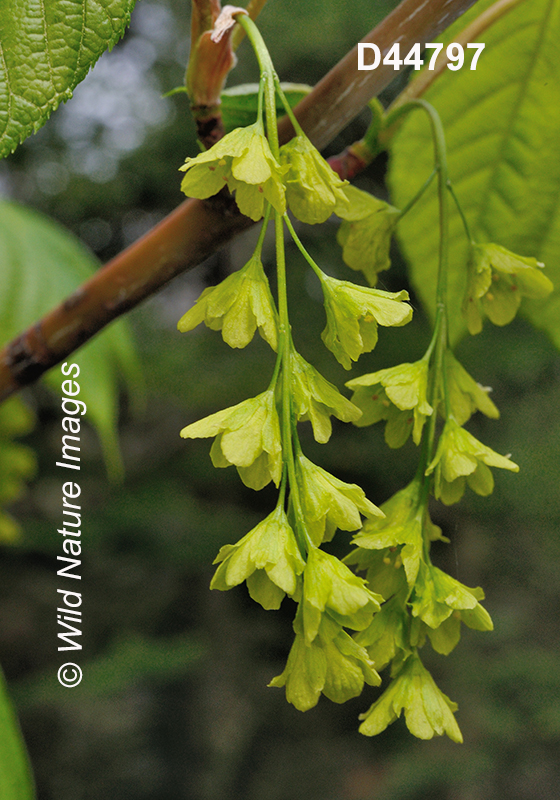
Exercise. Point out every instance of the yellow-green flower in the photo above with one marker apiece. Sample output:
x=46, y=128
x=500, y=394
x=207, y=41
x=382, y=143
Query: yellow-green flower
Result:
x=442, y=603
x=401, y=531
x=427, y=710
x=398, y=395
x=332, y=664
x=237, y=306
x=498, y=279
x=353, y=314
x=267, y=558
x=247, y=435
x=316, y=399
x=331, y=589
x=365, y=233
x=387, y=634
x=466, y=395
x=329, y=503
x=313, y=189
x=462, y=459
x=243, y=161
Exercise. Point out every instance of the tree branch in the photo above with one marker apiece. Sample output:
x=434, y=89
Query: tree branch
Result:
x=197, y=228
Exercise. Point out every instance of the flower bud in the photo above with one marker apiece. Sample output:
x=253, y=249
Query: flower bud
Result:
x=315, y=398
x=329, y=503
x=332, y=664
x=267, y=558
x=313, y=189
x=331, y=589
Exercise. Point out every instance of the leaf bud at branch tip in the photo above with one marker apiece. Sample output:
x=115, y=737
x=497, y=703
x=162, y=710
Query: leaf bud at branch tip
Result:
x=210, y=61
x=225, y=21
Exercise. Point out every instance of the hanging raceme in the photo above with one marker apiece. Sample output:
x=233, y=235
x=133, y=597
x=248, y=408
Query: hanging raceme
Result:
x=347, y=627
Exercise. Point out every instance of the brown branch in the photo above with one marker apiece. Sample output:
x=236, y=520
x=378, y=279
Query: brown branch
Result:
x=196, y=229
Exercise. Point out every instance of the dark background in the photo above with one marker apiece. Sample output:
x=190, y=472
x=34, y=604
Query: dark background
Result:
x=174, y=702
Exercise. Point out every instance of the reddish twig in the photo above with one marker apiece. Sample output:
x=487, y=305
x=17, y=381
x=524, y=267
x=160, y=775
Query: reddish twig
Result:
x=197, y=228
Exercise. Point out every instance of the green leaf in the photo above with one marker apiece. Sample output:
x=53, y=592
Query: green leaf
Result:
x=501, y=123
x=40, y=265
x=16, y=782
x=46, y=49
x=240, y=103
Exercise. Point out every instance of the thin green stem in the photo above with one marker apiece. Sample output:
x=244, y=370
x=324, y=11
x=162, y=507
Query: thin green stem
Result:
x=370, y=142
x=276, y=373
x=297, y=127
x=317, y=270
x=260, y=241
x=267, y=75
x=253, y=8
x=284, y=351
x=258, y=250
x=418, y=195
x=438, y=383
x=282, y=493
x=428, y=354
x=451, y=191
x=260, y=99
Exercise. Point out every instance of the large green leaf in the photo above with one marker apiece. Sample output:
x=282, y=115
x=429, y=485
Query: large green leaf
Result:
x=46, y=49
x=502, y=124
x=16, y=782
x=40, y=264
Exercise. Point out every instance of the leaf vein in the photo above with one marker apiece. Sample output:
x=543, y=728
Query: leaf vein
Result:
x=9, y=88
x=48, y=53
x=516, y=107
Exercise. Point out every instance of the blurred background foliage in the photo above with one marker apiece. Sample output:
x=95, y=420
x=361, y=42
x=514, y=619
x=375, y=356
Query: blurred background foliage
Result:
x=174, y=702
